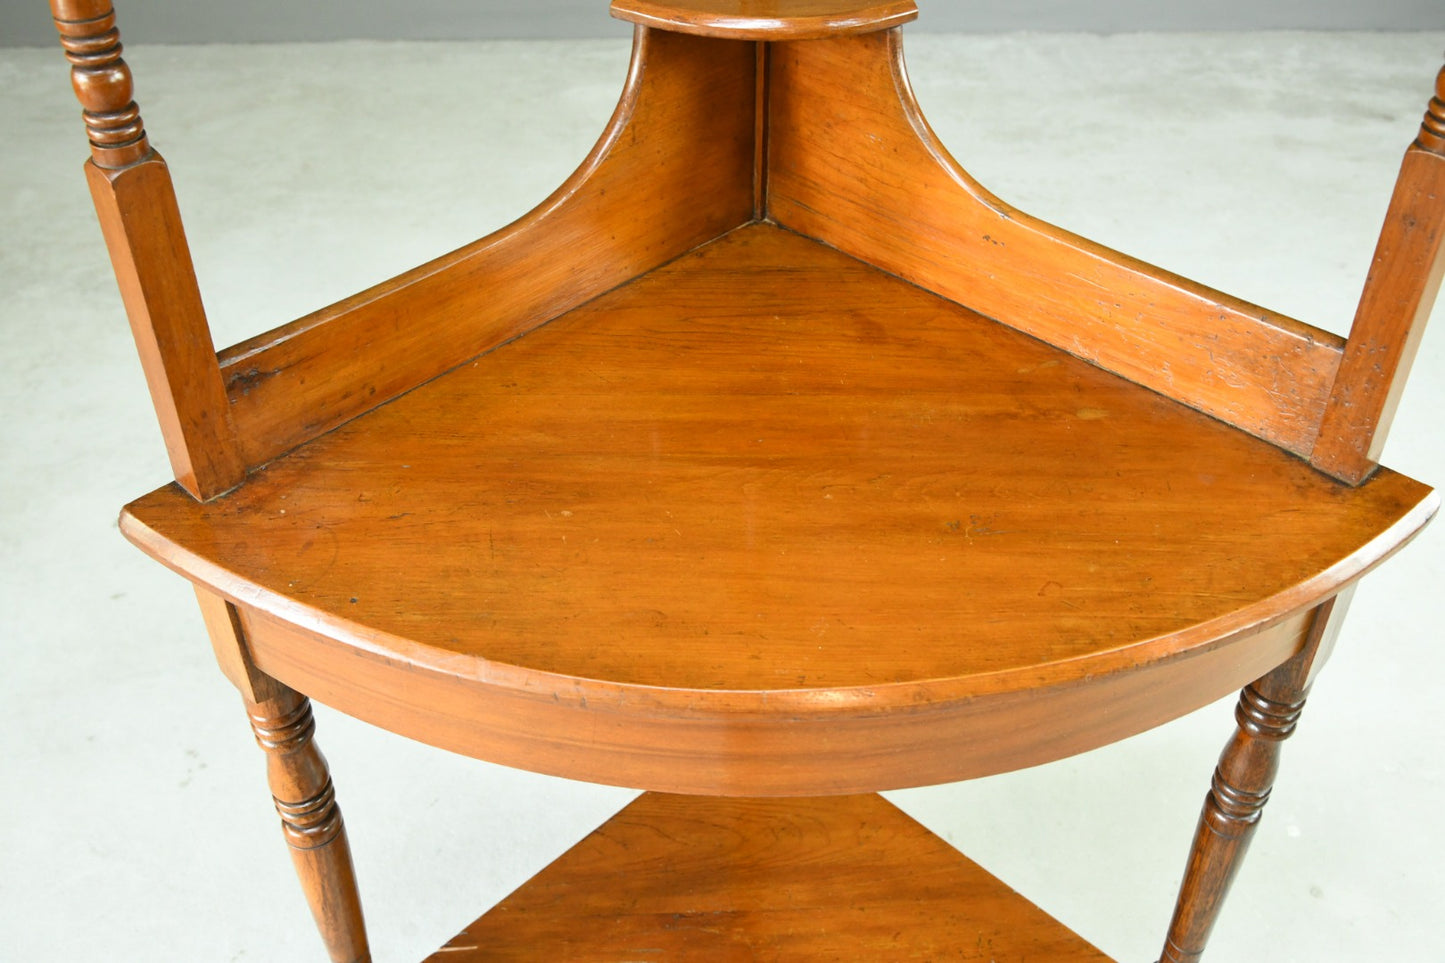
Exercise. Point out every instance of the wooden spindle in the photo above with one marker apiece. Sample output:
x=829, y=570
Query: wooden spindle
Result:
x=102, y=81
x=1399, y=292
x=311, y=821
x=1268, y=711
x=1432, y=128
x=136, y=204
x=1237, y=796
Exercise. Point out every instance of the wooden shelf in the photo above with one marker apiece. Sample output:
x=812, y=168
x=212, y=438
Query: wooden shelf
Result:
x=692, y=878
x=666, y=521
x=767, y=19
x=771, y=458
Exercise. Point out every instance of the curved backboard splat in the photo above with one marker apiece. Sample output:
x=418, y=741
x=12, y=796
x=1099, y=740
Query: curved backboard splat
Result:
x=853, y=163
x=613, y=220
x=768, y=19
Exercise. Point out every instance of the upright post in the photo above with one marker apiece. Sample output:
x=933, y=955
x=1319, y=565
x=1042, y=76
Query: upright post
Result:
x=1268, y=710
x=300, y=785
x=136, y=204
x=310, y=820
x=1399, y=292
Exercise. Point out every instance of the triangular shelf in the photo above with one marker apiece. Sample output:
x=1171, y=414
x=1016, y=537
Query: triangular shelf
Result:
x=694, y=878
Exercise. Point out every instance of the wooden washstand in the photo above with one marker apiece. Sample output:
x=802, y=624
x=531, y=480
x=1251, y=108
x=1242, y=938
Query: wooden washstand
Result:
x=769, y=463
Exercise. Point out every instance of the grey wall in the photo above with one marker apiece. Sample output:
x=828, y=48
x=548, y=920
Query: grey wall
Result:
x=26, y=22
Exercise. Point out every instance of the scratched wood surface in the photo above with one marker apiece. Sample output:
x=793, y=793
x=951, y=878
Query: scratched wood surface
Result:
x=847, y=878
x=771, y=481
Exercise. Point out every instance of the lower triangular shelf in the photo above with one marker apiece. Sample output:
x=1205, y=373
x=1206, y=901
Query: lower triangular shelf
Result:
x=694, y=878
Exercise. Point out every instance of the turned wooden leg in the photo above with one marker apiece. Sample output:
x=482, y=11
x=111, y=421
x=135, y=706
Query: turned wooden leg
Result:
x=1268, y=710
x=310, y=819
x=300, y=784
x=1266, y=715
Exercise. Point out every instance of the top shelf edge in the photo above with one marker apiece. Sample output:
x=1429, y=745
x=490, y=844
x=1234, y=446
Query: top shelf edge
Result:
x=767, y=19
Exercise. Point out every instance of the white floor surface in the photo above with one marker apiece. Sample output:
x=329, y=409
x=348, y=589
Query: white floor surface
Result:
x=134, y=819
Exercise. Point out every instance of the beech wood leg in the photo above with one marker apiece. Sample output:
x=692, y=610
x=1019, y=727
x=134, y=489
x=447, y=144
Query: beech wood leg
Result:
x=301, y=785
x=1266, y=715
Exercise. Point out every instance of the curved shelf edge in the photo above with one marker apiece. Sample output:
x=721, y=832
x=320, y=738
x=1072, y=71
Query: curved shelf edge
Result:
x=779, y=742
x=776, y=20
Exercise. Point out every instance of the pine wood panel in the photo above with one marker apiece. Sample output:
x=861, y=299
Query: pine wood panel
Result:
x=854, y=163
x=769, y=484
x=850, y=878
x=615, y=218
x=768, y=19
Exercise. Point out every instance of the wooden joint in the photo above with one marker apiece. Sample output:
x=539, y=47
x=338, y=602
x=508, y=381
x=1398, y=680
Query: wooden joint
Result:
x=102, y=83
x=233, y=655
x=1404, y=279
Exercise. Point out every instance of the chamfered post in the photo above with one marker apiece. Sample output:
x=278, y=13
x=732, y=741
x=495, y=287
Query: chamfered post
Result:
x=1399, y=292
x=136, y=204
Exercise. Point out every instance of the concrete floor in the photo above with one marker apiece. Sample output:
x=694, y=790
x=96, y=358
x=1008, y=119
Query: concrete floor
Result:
x=134, y=820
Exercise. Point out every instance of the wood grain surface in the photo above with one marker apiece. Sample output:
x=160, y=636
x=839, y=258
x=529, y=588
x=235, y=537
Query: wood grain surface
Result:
x=138, y=215
x=768, y=19
x=311, y=822
x=854, y=163
x=750, y=517
x=614, y=219
x=848, y=878
x=1266, y=715
x=136, y=205
x=768, y=484
x=1399, y=294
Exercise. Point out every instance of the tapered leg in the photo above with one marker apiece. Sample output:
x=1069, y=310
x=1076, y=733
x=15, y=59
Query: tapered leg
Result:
x=310, y=819
x=1268, y=710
